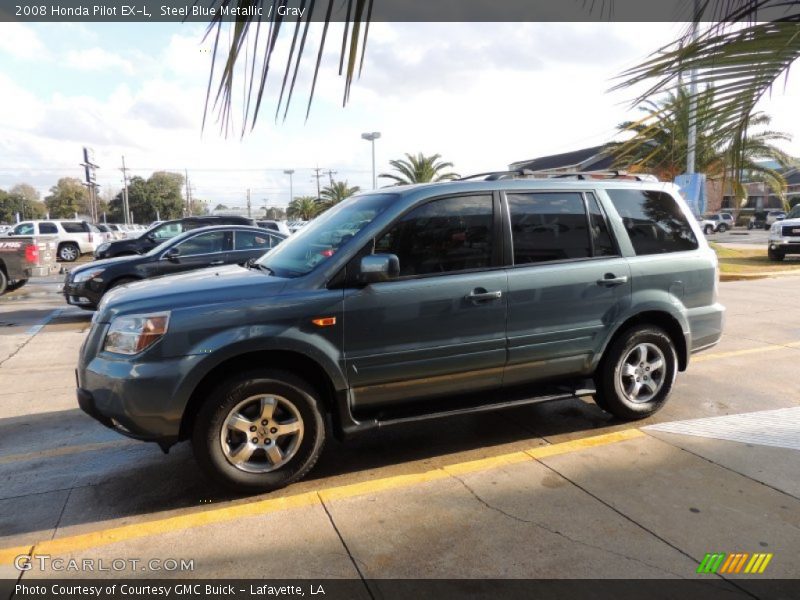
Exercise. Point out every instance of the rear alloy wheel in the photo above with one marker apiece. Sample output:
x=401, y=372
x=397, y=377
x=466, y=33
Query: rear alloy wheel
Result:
x=259, y=432
x=636, y=374
x=68, y=252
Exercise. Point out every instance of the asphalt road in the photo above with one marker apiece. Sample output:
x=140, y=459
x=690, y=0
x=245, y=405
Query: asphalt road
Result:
x=547, y=497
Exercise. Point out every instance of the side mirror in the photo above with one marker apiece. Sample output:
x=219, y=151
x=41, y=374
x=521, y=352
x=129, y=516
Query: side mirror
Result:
x=375, y=268
x=173, y=255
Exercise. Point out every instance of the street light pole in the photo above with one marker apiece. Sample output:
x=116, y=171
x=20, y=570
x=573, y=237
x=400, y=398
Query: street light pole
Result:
x=371, y=137
x=290, y=172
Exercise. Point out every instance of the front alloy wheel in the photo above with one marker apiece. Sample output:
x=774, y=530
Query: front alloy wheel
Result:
x=259, y=431
x=261, y=434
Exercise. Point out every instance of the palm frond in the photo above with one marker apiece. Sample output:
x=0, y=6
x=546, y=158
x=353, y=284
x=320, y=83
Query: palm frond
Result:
x=247, y=62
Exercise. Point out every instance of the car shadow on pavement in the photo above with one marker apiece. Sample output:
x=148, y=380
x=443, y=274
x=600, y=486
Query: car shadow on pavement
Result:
x=89, y=474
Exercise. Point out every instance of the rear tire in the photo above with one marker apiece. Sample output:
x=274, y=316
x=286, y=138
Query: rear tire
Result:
x=636, y=374
x=68, y=252
x=237, y=437
x=708, y=230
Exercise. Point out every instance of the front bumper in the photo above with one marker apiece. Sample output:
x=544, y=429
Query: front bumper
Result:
x=80, y=294
x=141, y=400
x=784, y=244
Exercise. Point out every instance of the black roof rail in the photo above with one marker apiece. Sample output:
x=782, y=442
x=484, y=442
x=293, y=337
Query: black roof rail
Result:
x=583, y=175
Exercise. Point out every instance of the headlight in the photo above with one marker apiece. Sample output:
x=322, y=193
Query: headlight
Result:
x=135, y=333
x=103, y=247
x=87, y=274
x=776, y=227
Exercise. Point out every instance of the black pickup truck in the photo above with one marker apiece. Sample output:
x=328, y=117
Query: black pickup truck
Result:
x=24, y=257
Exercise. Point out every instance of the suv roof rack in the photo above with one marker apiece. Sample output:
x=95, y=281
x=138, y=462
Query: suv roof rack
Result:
x=526, y=173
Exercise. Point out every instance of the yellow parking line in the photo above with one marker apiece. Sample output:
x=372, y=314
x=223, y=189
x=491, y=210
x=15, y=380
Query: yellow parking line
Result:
x=103, y=537
x=583, y=443
x=64, y=451
x=745, y=352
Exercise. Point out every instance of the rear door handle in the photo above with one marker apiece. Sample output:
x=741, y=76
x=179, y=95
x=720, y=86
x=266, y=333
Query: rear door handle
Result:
x=611, y=279
x=481, y=295
x=216, y=263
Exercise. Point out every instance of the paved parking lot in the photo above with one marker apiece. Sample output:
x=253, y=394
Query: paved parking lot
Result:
x=554, y=490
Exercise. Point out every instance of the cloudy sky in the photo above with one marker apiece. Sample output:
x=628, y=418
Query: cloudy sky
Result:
x=482, y=95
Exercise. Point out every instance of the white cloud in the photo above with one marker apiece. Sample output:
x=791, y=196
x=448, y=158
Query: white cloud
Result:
x=20, y=41
x=98, y=59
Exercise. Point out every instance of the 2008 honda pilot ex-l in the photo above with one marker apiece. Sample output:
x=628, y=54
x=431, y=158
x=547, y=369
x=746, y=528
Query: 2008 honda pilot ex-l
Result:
x=409, y=303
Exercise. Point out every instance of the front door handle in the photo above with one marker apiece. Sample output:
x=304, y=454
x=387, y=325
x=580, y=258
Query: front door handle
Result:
x=481, y=295
x=216, y=263
x=611, y=279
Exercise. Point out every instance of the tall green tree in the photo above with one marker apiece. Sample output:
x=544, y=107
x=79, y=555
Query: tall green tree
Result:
x=304, y=208
x=23, y=200
x=67, y=198
x=159, y=195
x=336, y=192
x=419, y=169
x=659, y=143
x=747, y=48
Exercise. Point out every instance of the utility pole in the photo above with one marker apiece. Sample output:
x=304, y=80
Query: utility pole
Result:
x=188, y=194
x=125, y=209
x=330, y=175
x=317, y=175
x=249, y=215
x=371, y=137
x=290, y=172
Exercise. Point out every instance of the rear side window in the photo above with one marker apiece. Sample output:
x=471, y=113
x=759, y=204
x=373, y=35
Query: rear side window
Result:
x=548, y=226
x=443, y=236
x=73, y=227
x=48, y=228
x=654, y=221
x=212, y=242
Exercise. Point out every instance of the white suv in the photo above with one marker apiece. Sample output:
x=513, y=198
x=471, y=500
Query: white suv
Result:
x=74, y=237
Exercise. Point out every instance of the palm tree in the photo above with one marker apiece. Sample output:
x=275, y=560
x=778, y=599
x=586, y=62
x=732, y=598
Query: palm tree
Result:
x=336, y=192
x=419, y=169
x=659, y=143
x=303, y=207
x=742, y=54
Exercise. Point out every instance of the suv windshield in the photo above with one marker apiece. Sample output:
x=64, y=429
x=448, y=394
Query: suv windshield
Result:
x=322, y=237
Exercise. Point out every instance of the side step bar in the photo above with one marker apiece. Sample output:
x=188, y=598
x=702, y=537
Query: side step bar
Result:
x=511, y=400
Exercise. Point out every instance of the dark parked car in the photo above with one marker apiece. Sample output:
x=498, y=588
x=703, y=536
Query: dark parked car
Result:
x=406, y=304
x=163, y=231
x=84, y=286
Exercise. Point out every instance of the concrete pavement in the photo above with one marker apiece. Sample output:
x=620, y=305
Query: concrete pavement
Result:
x=411, y=501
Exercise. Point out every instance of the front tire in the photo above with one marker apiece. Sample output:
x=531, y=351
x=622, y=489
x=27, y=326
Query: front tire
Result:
x=708, y=230
x=723, y=228
x=637, y=372
x=259, y=431
x=3, y=282
x=775, y=255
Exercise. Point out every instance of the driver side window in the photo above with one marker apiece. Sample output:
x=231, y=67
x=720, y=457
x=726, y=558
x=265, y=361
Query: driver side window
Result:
x=205, y=243
x=443, y=236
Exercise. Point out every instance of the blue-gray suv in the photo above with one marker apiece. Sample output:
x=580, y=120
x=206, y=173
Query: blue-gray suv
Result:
x=409, y=303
